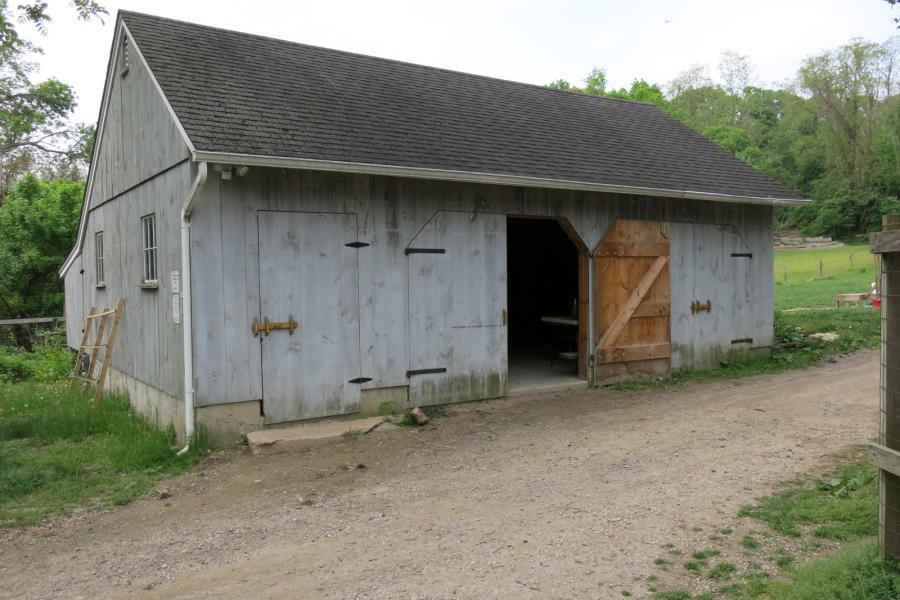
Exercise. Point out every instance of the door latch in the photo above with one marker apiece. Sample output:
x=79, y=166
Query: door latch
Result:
x=697, y=306
x=268, y=326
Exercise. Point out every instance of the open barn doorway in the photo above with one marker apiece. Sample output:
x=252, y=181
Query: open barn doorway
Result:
x=547, y=303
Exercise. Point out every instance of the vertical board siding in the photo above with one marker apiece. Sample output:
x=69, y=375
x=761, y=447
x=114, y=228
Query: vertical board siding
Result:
x=681, y=248
x=149, y=342
x=139, y=168
x=391, y=213
x=457, y=300
x=139, y=137
x=74, y=303
x=309, y=274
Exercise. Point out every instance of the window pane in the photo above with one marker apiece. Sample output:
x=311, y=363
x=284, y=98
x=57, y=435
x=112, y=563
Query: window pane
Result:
x=148, y=235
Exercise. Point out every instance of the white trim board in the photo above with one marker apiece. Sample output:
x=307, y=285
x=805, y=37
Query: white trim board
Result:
x=476, y=177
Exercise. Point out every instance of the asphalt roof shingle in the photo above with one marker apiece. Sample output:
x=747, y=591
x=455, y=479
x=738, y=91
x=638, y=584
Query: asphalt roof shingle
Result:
x=240, y=93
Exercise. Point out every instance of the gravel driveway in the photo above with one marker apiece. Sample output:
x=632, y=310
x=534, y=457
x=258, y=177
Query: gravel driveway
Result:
x=552, y=495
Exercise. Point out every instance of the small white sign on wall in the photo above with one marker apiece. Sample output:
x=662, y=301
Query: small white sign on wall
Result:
x=176, y=282
x=176, y=308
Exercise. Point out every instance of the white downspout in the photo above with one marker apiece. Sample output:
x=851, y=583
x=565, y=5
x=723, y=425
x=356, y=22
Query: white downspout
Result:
x=186, y=325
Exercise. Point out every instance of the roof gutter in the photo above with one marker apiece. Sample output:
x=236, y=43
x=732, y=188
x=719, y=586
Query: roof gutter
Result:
x=187, y=332
x=476, y=177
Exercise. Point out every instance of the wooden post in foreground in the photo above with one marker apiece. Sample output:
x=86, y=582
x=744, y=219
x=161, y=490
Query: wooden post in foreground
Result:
x=886, y=454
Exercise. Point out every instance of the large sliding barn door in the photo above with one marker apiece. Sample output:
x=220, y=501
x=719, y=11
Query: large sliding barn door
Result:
x=457, y=309
x=309, y=287
x=633, y=299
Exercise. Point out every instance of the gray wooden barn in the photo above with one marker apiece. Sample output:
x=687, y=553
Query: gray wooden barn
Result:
x=301, y=232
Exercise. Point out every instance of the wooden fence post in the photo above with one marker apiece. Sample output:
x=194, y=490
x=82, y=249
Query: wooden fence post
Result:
x=886, y=454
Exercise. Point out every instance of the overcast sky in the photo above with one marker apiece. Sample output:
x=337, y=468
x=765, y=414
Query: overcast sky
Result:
x=529, y=41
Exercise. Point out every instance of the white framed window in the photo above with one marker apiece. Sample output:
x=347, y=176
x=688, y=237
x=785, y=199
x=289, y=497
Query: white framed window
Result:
x=148, y=235
x=98, y=253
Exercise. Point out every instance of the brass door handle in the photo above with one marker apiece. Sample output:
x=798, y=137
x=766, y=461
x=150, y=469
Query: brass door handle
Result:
x=269, y=326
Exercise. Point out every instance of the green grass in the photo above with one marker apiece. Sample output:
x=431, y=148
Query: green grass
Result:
x=694, y=565
x=679, y=595
x=48, y=362
x=857, y=328
x=806, y=288
x=841, y=506
x=58, y=452
x=852, y=573
x=722, y=570
x=749, y=542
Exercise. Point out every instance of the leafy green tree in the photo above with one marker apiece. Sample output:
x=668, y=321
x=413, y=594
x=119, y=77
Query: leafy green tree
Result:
x=642, y=91
x=560, y=84
x=595, y=82
x=832, y=134
x=34, y=115
x=38, y=224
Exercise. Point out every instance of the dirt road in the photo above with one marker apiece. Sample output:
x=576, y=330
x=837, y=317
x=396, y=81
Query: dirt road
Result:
x=555, y=495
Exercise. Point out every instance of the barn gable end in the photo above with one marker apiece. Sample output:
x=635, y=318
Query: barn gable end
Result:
x=140, y=166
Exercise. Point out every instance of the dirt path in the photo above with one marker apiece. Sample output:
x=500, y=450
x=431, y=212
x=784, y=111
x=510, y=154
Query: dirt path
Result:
x=567, y=495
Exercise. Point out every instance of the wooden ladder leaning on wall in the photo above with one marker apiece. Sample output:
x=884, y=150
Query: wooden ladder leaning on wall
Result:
x=89, y=353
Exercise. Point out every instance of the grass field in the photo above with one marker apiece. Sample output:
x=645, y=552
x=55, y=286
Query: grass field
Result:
x=58, y=452
x=841, y=506
x=845, y=270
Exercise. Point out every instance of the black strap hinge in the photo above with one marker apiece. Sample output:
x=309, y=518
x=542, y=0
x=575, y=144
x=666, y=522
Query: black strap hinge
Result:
x=424, y=372
x=360, y=380
x=357, y=244
x=741, y=255
x=742, y=341
x=425, y=251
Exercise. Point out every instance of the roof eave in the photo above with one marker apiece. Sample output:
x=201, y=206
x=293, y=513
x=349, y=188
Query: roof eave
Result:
x=476, y=177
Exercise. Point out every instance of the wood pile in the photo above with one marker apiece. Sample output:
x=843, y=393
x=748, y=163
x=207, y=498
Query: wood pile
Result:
x=789, y=242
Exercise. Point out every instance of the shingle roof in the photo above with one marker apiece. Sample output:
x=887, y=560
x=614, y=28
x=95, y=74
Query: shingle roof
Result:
x=240, y=93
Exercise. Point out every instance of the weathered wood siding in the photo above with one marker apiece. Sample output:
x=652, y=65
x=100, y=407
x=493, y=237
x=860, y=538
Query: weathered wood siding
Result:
x=141, y=167
x=139, y=137
x=74, y=304
x=149, y=344
x=390, y=213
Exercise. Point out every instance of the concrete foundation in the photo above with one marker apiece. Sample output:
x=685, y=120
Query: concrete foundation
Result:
x=159, y=407
x=384, y=401
x=229, y=423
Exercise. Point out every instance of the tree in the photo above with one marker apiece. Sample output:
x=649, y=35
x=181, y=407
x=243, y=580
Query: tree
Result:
x=831, y=134
x=736, y=72
x=38, y=224
x=595, y=82
x=33, y=115
x=560, y=84
x=694, y=78
x=847, y=84
x=642, y=91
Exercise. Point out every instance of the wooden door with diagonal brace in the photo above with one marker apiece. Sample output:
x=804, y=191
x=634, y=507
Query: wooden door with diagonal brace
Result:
x=632, y=291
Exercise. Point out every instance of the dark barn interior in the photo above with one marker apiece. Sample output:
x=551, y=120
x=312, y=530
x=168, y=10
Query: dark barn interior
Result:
x=542, y=270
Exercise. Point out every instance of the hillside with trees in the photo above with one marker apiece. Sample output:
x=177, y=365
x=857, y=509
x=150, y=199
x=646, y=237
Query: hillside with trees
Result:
x=831, y=134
